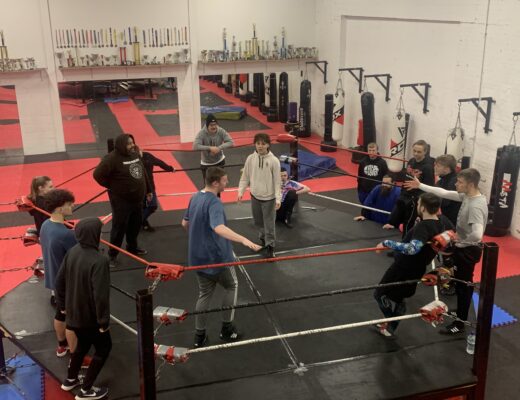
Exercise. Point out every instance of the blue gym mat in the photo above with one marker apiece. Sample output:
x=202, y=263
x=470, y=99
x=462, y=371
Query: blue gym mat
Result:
x=28, y=380
x=500, y=317
x=312, y=160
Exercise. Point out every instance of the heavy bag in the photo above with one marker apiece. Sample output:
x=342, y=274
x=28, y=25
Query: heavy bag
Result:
x=236, y=92
x=272, y=112
x=283, y=96
x=267, y=94
x=369, y=122
x=228, y=87
x=257, y=78
x=292, y=116
x=220, y=81
x=305, y=109
x=503, y=190
x=327, y=133
x=338, y=114
x=242, y=86
x=455, y=143
x=398, y=138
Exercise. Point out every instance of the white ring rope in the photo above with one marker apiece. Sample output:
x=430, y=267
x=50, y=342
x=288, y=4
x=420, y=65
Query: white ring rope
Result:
x=190, y=193
x=302, y=333
x=121, y=323
x=349, y=203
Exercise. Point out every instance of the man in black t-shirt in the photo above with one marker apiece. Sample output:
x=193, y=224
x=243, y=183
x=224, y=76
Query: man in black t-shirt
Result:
x=405, y=210
x=412, y=255
x=373, y=167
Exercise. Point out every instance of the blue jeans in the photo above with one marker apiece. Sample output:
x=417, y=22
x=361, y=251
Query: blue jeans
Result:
x=149, y=207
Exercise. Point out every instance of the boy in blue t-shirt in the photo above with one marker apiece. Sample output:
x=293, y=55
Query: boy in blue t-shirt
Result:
x=56, y=239
x=210, y=243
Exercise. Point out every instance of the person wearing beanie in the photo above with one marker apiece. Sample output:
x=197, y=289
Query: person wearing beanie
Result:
x=211, y=141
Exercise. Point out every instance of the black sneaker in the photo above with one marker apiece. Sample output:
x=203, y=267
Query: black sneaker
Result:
x=287, y=223
x=262, y=242
x=147, y=227
x=112, y=261
x=69, y=384
x=269, y=252
x=452, y=329
x=229, y=333
x=138, y=251
x=200, y=340
x=92, y=393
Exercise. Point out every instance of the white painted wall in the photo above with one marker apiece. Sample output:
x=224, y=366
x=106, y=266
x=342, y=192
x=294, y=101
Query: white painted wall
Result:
x=452, y=45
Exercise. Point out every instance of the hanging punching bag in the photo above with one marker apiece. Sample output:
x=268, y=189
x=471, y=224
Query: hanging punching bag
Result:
x=327, y=133
x=503, y=190
x=272, y=113
x=399, y=134
x=267, y=94
x=292, y=116
x=283, y=97
x=305, y=109
x=455, y=141
x=369, y=122
x=338, y=114
x=228, y=87
x=242, y=86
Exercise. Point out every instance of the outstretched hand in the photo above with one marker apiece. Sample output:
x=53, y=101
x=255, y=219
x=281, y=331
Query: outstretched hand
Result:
x=412, y=184
x=251, y=245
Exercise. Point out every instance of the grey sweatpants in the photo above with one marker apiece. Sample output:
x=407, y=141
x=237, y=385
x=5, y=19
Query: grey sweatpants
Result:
x=207, y=284
x=264, y=215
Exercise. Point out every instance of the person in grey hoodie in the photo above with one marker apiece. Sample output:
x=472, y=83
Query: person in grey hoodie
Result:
x=262, y=175
x=211, y=141
x=83, y=292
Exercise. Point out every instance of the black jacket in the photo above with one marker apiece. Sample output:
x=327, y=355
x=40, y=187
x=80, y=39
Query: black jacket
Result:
x=39, y=218
x=149, y=160
x=422, y=170
x=123, y=173
x=374, y=169
x=449, y=208
x=83, y=282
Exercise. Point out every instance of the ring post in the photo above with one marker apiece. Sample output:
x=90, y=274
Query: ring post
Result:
x=485, y=315
x=145, y=341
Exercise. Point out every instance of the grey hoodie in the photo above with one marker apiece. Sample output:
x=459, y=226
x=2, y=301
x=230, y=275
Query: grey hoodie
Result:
x=204, y=140
x=262, y=175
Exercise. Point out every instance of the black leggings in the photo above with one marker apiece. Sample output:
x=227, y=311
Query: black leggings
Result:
x=126, y=222
x=102, y=343
x=287, y=206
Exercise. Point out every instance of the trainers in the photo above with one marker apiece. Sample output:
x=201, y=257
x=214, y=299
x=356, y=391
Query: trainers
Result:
x=112, y=261
x=383, y=330
x=69, y=384
x=138, y=251
x=230, y=334
x=269, y=251
x=92, y=393
x=147, y=227
x=452, y=329
x=200, y=340
x=287, y=223
x=62, y=351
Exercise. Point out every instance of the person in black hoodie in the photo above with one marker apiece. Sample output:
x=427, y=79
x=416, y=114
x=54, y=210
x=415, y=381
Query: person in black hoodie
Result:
x=150, y=206
x=405, y=210
x=373, y=167
x=83, y=295
x=122, y=172
x=40, y=186
x=445, y=169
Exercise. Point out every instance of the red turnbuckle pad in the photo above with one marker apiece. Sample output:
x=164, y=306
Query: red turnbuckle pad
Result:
x=30, y=237
x=439, y=276
x=286, y=138
x=164, y=272
x=24, y=204
x=434, y=312
x=443, y=240
x=171, y=354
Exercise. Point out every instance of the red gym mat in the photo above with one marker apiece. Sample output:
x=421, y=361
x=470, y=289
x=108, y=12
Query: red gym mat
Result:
x=78, y=131
x=10, y=136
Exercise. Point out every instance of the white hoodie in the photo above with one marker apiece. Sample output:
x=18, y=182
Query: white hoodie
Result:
x=262, y=175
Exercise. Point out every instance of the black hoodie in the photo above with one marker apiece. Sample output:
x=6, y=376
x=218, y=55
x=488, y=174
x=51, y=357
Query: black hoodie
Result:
x=123, y=173
x=83, y=282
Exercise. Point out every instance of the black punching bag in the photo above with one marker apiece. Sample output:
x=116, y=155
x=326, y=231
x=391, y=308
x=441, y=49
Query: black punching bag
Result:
x=503, y=190
x=305, y=109
x=283, y=97
x=369, y=122
x=327, y=134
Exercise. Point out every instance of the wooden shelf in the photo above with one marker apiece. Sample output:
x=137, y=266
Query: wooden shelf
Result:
x=249, y=66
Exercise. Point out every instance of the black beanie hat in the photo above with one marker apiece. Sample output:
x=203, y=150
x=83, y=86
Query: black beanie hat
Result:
x=209, y=119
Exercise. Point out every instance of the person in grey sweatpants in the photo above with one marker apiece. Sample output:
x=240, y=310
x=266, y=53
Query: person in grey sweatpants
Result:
x=210, y=243
x=262, y=175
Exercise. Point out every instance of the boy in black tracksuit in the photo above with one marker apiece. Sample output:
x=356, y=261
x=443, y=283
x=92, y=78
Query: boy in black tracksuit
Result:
x=412, y=255
x=82, y=291
x=373, y=167
x=122, y=172
x=405, y=210
x=150, y=206
x=445, y=169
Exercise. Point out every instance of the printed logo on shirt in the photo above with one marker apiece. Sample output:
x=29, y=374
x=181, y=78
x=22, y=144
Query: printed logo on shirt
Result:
x=371, y=170
x=136, y=171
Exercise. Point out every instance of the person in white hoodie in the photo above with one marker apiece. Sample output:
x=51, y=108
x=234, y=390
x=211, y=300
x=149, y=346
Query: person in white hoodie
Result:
x=262, y=175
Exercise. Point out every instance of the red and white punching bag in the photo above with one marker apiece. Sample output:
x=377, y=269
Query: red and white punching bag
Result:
x=338, y=113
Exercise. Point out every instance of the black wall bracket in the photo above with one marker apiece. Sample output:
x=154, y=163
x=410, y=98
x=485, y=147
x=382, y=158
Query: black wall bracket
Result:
x=323, y=70
x=516, y=114
x=385, y=86
x=486, y=114
x=423, y=96
x=358, y=77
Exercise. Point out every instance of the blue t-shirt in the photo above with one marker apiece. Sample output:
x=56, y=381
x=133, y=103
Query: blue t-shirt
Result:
x=205, y=212
x=56, y=239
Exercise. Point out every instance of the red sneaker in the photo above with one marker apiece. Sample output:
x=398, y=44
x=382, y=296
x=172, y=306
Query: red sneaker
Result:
x=62, y=351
